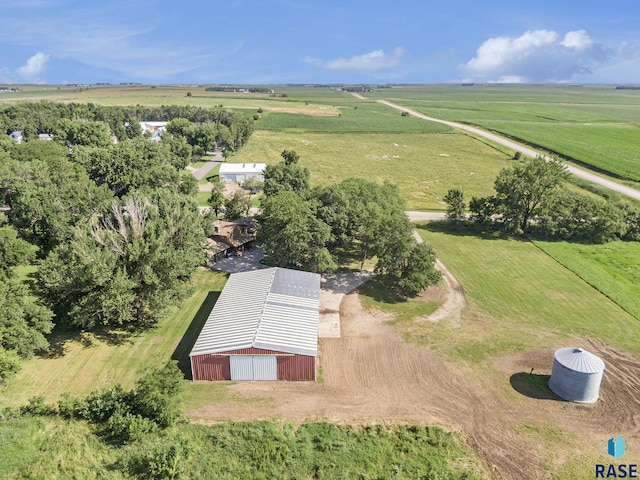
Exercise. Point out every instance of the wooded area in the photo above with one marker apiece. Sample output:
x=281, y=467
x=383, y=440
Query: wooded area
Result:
x=108, y=215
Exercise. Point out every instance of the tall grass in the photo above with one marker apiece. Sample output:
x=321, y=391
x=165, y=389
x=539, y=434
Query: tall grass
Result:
x=53, y=448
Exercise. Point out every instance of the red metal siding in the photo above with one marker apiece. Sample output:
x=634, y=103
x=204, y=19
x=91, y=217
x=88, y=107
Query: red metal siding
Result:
x=298, y=367
x=210, y=367
x=290, y=367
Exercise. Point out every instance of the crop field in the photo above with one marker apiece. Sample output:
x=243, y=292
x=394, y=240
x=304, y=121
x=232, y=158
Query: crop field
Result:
x=361, y=118
x=424, y=166
x=613, y=268
x=595, y=125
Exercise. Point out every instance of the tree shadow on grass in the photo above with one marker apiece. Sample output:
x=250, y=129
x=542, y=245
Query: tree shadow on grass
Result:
x=533, y=385
x=188, y=340
x=466, y=228
x=61, y=335
x=378, y=290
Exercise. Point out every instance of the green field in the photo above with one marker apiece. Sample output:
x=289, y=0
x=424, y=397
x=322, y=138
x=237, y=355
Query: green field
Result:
x=595, y=125
x=81, y=362
x=612, y=268
x=424, y=166
x=519, y=299
x=365, y=117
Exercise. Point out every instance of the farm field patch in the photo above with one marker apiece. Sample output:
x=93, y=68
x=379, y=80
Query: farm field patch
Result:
x=595, y=125
x=424, y=166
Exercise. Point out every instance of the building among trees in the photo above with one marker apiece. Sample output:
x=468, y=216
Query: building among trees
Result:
x=239, y=172
x=264, y=326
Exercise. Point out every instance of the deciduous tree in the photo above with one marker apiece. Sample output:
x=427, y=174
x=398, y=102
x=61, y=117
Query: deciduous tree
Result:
x=521, y=190
x=455, y=204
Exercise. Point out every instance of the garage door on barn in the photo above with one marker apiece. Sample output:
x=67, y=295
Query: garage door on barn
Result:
x=253, y=367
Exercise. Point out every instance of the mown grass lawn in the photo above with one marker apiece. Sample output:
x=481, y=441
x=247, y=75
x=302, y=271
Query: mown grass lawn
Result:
x=424, y=166
x=518, y=298
x=612, y=268
x=81, y=362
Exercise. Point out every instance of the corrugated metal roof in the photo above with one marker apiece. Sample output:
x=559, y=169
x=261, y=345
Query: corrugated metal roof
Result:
x=242, y=168
x=272, y=308
x=579, y=360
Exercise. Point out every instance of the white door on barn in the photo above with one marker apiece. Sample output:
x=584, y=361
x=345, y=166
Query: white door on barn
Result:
x=265, y=367
x=241, y=367
x=253, y=367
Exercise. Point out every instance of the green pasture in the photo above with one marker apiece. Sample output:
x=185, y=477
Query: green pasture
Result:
x=595, y=125
x=612, y=268
x=424, y=166
x=365, y=117
x=81, y=362
x=519, y=298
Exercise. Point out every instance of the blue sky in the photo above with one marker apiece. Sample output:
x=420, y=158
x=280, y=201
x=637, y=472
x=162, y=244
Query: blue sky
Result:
x=323, y=41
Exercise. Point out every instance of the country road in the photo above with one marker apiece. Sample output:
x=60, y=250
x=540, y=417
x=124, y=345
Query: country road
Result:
x=578, y=172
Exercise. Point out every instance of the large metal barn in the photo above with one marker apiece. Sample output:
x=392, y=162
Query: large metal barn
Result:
x=264, y=326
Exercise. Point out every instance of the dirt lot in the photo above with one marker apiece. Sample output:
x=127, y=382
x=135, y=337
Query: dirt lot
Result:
x=370, y=375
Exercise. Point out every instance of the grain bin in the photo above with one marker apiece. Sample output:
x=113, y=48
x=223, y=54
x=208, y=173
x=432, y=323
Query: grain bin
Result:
x=576, y=375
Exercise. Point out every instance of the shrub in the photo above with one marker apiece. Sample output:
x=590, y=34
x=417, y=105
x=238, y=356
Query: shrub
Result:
x=70, y=406
x=37, y=406
x=157, y=395
x=124, y=427
x=100, y=405
x=160, y=460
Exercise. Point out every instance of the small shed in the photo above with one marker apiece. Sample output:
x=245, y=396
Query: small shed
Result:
x=264, y=326
x=576, y=375
x=239, y=172
x=17, y=136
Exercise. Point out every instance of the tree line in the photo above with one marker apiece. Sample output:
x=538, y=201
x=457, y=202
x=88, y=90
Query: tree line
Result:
x=99, y=121
x=317, y=229
x=532, y=198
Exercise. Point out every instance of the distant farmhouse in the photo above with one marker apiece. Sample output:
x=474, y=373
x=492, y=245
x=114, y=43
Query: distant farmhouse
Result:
x=239, y=172
x=264, y=326
x=152, y=127
x=155, y=130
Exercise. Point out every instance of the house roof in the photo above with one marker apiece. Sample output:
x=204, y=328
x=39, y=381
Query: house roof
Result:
x=242, y=168
x=273, y=309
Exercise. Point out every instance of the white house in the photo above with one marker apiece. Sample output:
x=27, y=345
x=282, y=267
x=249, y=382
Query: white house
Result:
x=239, y=172
x=17, y=136
x=152, y=126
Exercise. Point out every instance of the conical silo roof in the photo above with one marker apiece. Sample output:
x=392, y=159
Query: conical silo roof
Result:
x=579, y=360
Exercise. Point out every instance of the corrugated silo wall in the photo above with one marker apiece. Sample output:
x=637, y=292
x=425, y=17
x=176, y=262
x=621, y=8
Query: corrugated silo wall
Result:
x=290, y=367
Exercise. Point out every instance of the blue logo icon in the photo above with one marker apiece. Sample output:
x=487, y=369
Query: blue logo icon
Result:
x=615, y=446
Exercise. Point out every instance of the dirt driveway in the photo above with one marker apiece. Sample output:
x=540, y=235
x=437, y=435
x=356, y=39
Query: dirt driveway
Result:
x=371, y=375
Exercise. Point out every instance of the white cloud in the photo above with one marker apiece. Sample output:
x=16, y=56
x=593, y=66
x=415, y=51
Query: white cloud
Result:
x=537, y=56
x=578, y=39
x=35, y=67
x=368, y=63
